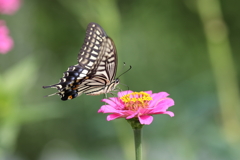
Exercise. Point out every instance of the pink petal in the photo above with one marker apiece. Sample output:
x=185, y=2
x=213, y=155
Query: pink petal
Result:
x=163, y=105
x=171, y=114
x=118, y=102
x=107, y=109
x=113, y=116
x=160, y=95
x=9, y=6
x=6, y=42
x=132, y=114
x=145, y=111
x=126, y=112
x=114, y=99
x=157, y=97
x=111, y=103
x=145, y=119
x=148, y=92
x=123, y=93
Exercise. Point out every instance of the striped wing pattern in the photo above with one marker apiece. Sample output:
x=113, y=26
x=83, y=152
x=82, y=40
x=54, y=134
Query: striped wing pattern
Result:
x=96, y=69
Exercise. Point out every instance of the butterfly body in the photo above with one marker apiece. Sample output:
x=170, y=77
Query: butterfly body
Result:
x=96, y=69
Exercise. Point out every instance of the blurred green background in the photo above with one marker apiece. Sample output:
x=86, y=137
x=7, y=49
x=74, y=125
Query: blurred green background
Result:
x=188, y=48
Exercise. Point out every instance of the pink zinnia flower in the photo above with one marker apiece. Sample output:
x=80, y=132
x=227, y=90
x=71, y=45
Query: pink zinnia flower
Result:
x=139, y=105
x=6, y=42
x=9, y=6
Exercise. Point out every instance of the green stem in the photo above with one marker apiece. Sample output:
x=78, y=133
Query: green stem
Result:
x=224, y=69
x=138, y=144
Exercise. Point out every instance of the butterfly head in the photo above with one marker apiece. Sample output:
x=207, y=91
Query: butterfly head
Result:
x=113, y=85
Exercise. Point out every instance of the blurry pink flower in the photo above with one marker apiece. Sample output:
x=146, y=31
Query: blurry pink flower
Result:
x=139, y=105
x=9, y=6
x=6, y=42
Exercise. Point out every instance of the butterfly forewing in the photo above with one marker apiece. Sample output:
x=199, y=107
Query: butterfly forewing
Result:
x=91, y=52
x=96, y=69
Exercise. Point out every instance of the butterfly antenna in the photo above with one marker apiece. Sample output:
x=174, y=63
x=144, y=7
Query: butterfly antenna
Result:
x=130, y=67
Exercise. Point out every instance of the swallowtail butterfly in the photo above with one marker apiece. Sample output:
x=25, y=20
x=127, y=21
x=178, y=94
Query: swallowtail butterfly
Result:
x=96, y=69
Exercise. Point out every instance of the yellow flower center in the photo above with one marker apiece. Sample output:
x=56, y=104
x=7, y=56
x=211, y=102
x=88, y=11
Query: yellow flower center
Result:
x=134, y=101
